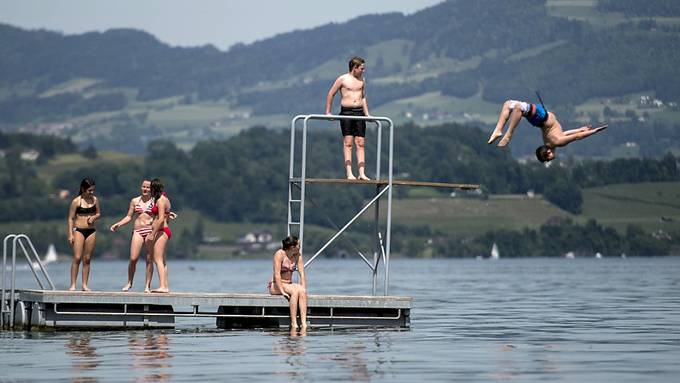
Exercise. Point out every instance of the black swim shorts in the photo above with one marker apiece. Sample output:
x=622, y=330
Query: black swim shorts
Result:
x=352, y=127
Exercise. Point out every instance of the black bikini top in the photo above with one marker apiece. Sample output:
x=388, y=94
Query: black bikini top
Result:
x=85, y=210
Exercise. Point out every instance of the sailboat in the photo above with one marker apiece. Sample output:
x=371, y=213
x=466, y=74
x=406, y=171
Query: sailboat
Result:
x=494, y=251
x=50, y=257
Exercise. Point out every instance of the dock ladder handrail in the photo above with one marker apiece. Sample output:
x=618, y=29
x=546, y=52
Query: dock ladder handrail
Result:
x=382, y=249
x=7, y=299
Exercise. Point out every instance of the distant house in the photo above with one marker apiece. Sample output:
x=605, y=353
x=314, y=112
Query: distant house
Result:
x=30, y=155
x=256, y=237
x=255, y=240
x=208, y=238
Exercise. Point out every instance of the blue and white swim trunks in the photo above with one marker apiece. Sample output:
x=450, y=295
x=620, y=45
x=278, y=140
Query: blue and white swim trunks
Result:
x=534, y=113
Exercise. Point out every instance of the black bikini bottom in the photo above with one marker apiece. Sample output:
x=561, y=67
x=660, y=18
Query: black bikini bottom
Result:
x=86, y=232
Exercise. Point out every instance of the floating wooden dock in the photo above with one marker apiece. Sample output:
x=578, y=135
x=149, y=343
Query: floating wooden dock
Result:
x=55, y=309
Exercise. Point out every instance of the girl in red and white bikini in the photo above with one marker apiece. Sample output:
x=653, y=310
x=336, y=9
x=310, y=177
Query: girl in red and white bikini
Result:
x=288, y=260
x=141, y=208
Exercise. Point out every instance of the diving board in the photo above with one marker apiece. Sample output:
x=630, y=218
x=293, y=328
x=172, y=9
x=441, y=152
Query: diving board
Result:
x=383, y=182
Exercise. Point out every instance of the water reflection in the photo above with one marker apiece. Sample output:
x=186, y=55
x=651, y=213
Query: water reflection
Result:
x=292, y=349
x=84, y=355
x=353, y=360
x=382, y=342
x=150, y=353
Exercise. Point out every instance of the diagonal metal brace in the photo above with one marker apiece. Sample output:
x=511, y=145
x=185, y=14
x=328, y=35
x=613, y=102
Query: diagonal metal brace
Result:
x=347, y=225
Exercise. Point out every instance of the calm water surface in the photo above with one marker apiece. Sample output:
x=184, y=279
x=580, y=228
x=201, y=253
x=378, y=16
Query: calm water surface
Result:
x=579, y=320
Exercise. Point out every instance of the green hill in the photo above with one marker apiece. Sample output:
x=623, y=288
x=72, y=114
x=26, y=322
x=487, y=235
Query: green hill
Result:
x=653, y=206
x=613, y=61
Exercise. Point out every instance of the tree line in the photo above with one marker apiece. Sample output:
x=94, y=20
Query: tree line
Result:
x=244, y=178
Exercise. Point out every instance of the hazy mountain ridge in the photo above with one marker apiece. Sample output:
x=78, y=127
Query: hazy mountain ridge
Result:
x=483, y=51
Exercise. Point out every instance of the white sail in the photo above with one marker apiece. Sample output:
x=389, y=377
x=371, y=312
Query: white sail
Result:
x=494, y=251
x=22, y=265
x=51, y=255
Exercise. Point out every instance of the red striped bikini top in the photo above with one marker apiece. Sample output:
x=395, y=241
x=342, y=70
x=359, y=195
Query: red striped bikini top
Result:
x=144, y=207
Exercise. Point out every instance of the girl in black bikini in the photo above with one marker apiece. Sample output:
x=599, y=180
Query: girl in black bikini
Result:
x=82, y=214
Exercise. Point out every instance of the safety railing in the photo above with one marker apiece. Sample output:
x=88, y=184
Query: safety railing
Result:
x=7, y=299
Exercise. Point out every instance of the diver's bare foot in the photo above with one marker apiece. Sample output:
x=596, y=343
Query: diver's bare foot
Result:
x=147, y=289
x=72, y=288
x=600, y=128
x=364, y=178
x=159, y=290
x=351, y=177
x=85, y=288
x=504, y=142
x=127, y=287
x=494, y=136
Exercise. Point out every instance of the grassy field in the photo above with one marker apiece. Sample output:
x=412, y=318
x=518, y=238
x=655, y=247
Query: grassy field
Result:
x=196, y=114
x=225, y=231
x=71, y=86
x=583, y=10
x=640, y=204
x=66, y=162
x=465, y=216
x=615, y=206
x=435, y=108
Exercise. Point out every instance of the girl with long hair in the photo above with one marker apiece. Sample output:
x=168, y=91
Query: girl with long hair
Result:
x=160, y=233
x=287, y=260
x=83, y=212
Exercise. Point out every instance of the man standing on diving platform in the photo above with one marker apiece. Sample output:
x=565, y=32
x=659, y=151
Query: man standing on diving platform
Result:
x=352, y=87
x=538, y=116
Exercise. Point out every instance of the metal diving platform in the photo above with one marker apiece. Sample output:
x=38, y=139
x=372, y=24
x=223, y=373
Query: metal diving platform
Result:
x=298, y=180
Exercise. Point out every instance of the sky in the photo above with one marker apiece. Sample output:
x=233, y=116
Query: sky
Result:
x=221, y=23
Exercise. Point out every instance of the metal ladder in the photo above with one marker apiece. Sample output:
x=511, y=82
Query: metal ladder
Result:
x=8, y=297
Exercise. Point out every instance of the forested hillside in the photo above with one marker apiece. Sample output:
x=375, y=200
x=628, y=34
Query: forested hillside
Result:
x=456, y=61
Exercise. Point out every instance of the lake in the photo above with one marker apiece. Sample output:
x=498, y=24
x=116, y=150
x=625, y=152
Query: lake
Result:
x=536, y=320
